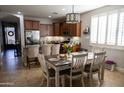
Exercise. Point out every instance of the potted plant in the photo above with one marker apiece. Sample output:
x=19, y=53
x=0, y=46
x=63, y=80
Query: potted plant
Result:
x=68, y=49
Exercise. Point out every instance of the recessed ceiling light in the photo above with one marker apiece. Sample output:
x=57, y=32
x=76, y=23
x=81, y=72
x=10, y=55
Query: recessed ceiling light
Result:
x=49, y=16
x=63, y=9
x=19, y=12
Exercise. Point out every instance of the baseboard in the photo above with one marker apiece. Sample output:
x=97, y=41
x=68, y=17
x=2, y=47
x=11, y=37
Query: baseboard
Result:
x=120, y=69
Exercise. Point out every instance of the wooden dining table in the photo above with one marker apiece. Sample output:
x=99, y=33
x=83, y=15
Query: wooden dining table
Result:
x=63, y=64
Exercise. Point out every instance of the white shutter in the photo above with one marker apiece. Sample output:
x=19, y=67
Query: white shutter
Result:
x=120, y=41
x=102, y=29
x=112, y=27
x=94, y=26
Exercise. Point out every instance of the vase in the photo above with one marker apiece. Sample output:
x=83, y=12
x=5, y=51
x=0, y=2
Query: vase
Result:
x=68, y=54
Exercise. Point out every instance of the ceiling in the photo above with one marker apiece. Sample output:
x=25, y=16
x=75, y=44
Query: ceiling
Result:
x=43, y=11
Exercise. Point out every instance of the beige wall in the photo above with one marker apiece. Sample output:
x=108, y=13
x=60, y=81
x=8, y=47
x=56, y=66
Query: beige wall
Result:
x=0, y=40
x=114, y=54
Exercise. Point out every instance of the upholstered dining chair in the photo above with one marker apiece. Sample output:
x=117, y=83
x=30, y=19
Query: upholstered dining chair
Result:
x=32, y=54
x=77, y=67
x=47, y=72
x=55, y=49
x=96, y=66
x=46, y=49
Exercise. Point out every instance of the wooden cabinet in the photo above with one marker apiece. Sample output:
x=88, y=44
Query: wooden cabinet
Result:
x=46, y=30
x=35, y=24
x=56, y=29
x=70, y=29
x=77, y=29
x=50, y=30
x=31, y=25
x=64, y=29
x=27, y=24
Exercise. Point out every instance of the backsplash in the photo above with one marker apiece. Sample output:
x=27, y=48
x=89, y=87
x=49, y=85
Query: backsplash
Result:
x=58, y=39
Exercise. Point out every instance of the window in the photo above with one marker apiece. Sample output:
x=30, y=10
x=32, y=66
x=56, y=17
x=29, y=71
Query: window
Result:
x=102, y=29
x=111, y=30
x=108, y=29
x=121, y=30
x=94, y=24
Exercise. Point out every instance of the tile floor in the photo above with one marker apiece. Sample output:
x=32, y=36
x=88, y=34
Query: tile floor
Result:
x=14, y=74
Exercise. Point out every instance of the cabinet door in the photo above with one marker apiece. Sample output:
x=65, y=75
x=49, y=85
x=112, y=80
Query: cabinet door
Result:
x=35, y=25
x=56, y=29
x=50, y=29
x=75, y=29
x=78, y=29
x=28, y=24
x=72, y=29
x=43, y=30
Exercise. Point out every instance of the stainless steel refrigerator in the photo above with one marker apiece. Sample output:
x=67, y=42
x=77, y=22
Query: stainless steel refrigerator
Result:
x=32, y=37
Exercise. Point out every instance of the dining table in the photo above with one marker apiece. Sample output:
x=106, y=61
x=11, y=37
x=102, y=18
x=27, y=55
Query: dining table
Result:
x=58, y=64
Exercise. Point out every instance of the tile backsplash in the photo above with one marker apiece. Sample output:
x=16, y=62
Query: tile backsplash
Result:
x=48, y=39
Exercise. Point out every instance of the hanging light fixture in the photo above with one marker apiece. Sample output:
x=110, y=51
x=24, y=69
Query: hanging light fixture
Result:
x=72, y=17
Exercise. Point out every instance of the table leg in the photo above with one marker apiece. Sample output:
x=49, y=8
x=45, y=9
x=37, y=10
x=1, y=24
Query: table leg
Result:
x=57, y=78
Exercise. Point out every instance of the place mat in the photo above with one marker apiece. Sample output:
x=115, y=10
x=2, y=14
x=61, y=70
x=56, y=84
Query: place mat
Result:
x=53, y=59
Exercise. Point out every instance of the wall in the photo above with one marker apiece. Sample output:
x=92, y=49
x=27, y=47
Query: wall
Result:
x=21, y=26
x=0, y=41
x=1, y=37
x=42, y=20
x=114, y=54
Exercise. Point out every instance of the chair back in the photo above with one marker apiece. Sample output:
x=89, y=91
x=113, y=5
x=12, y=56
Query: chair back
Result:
x=97, y=49
x=55, y=49
x=46, y=49
x=43, y=64
x=32, y=51
x=98, y=60
x=78, y=62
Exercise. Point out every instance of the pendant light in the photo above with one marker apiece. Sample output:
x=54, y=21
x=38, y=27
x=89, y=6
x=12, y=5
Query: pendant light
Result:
x=72, y=18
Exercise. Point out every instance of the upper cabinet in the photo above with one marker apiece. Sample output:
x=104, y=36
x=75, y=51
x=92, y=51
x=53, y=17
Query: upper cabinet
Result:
x=56, y=29
x=31, y=25
x=46, y=30
x=64, y=29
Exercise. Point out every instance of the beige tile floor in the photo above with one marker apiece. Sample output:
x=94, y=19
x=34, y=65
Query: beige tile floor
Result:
x=14, y=74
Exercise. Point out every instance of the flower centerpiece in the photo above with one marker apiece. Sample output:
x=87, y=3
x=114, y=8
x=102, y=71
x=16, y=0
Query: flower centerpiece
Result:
x=67, y=48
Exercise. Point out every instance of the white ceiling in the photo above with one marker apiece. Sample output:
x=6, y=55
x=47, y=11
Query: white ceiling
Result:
x=43, y=11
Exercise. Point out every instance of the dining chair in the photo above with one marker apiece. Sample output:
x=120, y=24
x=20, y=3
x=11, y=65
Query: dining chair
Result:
x=55, y=49
x=96, y=66
x=46, y=49
x=77, y=67
x=32, y=55
x=47, y=72
x=97, y=49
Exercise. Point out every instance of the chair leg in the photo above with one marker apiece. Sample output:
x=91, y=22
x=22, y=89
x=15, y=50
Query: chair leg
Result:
x=70, y=81
x=99, y=77
x=91, y=79
x=42, y=81
x=47, y=82
x=82, y=80
x=63, y=81
x=28, y=63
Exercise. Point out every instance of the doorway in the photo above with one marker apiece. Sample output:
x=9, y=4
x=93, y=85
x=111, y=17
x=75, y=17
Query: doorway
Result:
x=9, y=34
x=10, y=37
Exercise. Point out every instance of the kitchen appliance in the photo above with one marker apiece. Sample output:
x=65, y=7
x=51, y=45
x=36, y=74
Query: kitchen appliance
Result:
x=32, y=37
